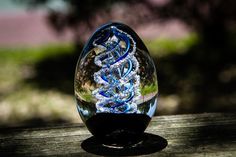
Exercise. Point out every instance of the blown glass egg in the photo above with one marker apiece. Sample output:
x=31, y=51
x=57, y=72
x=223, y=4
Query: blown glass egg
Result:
x=115, y=83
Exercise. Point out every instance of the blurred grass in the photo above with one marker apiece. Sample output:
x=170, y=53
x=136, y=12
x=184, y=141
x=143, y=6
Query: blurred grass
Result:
x=32, y=55
x=25, y=103
x=149, y=89
x=163, y=47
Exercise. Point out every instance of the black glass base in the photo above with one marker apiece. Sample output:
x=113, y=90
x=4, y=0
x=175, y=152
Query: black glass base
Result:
x=118, y=129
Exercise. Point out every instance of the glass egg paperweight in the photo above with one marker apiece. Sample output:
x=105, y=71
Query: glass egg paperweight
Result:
x=115, y=84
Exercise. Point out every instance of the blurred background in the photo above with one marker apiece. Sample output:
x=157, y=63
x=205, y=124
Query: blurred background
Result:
x=192, y=42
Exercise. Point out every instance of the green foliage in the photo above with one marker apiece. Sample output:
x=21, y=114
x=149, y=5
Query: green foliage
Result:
x=33, y=54
x=163, y=47
x=87, y=96
x=149, y=89
x=22, y=101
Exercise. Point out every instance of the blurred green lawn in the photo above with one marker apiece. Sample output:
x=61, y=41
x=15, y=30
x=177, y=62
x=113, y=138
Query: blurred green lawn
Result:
x=23, y=103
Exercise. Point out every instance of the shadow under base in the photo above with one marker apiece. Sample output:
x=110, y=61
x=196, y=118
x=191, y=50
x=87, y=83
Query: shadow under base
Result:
x=145, y=144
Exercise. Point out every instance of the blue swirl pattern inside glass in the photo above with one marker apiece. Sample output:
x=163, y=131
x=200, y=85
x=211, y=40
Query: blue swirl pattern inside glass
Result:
x=118, y=76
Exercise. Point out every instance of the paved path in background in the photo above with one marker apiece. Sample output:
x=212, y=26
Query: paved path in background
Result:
x=28, y=28
x=31, y=28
